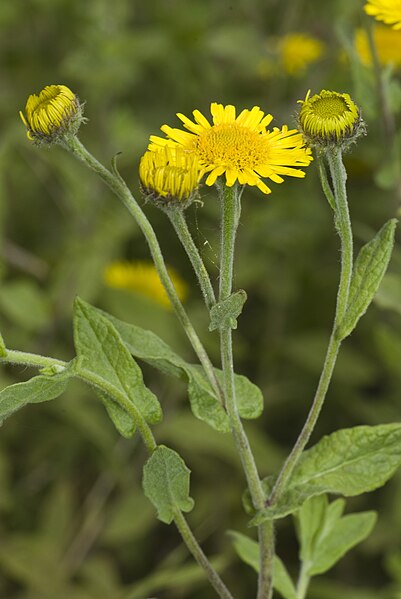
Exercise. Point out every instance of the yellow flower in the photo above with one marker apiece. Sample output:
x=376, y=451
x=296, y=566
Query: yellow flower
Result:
x=142, y=277
x=329, y=118
x=170, y=174
x=388, y=44
x=297, y=51
x=388, y=11
x=51, y=114
x=239, y=147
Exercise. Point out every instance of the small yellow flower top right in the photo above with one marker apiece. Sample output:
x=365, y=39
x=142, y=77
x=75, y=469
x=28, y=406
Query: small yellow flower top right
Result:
x=387, y=42
x=387, y=11
x=329, y=119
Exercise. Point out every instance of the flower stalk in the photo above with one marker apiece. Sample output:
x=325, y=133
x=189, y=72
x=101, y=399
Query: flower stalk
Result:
x=231, y=207
x=343, y=225
x=121, y=190
x=178, y=220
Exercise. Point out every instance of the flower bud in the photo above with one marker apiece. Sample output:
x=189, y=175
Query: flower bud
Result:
x=170, y=176
x=52, y=114
x=330, y=119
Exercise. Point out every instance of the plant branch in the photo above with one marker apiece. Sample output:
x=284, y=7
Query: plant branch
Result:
x=177, y=218
x=35, y=360
x=121, y=190
x=230, y=203
x=343, y=224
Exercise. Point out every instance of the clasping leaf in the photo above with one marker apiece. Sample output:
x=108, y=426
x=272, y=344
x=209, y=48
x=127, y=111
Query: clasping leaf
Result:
x=224, y=314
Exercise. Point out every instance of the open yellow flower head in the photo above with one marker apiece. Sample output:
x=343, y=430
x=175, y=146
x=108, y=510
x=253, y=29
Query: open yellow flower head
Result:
x=170, y=176
x=329, y=118
x=388, y=45
x=297, y=51
x=142, y=277
x=239, y=147
x=387, y=11
x=51, y=114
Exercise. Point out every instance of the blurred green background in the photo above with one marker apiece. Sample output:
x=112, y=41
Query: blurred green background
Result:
x=74, y=522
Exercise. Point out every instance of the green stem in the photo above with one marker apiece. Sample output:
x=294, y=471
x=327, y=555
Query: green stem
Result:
x=325, y=183
x=177, y=218
x=119, y=187
x=303, y=582
x=34, y=360
x=343, y=223
x=230, y=202
x=200, y=557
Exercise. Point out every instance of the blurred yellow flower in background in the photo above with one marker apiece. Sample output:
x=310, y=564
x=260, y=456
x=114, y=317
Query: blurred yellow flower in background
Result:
x=291, y=55
x=296, y=51
x=388, y=11
x=142, y=277
x=388, y=45
x=240, y=147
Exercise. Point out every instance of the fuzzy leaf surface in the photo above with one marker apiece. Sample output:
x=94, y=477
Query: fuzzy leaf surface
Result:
x=348, y=462
x=166, y=483
x=369, y=269
x=325, y=535
x=38, y=389
x=147, y=346
x=102, y=353
x=224, y=314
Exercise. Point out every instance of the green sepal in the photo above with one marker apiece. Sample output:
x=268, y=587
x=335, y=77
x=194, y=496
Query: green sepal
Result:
x=369, y=269
x=224, y=314
x=166, y=483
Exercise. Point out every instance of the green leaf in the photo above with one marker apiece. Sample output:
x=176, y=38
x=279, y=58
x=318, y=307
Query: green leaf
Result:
x=38, y=389
x=325, y=536
x=103, y=355
x=224, y=314
x=248, y=550
x=166, y=483
x=348, y=462
x=147, y=346
x=369, y=270
x=350, y=531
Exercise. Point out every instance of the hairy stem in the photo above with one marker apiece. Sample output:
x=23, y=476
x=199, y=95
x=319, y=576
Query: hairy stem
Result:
x=343, y=224
x=27, y=359
x=119, y=187
x=230, y=202
x=177, y=218
x=200, y=557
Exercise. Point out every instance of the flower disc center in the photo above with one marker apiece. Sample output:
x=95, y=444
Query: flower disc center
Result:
x=330, y=107
x=231, y=145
